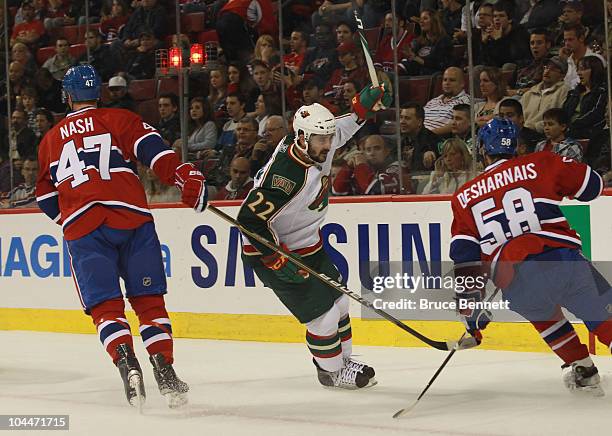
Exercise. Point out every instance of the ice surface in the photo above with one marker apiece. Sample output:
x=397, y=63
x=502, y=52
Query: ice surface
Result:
x=252, y=388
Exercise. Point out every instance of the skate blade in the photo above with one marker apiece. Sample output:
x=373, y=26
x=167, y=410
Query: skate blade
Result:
x=176, y=400
x=589, y=391
x=138, y=401
x=371, y=383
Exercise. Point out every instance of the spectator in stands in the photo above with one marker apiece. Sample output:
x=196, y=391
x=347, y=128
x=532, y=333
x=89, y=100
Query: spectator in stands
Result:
x=418, y=142
x=263, y=78
x=298, y=43
x=44, y=121
x=452, y=169
x=460, y=126
x=55, y=15
x=5, y=170
x=273, y=134
x=322, y=59
x=59, y=63
x=22, y=140
x=240, y=182
x=439, y=110
x=573, y=50
x=505, y=44
x=384, y=54
x=493, y=90
x=571, y=15
x=531, y=74
x=246, y=138
x=543, y=13
x=311, y=93
x=49, y=91
x=217, y=91
x=586, y=106
x=17, y=81
x=556, y=124
x=482, y=23
x=345, y=31
x=22, y=54
x=266, y=106
x=235, y=104
x=375, y=171
x=141, y=62
x=240, y=22
x=169, y=126
x=265, y=50
x=31, y=31
x=77, y=11
x=24, y=194
x=451, y=15
x=240, y=81
x=349, y=90
x=28, y=100
x=118, y=94
x=112, y=24
x=331, y=11
x=202, y=128
x=511, y=109
x=150, y=15
x=348, y=53
x=99, y=54
x=432, y=50
x=550, y=93
x=372, y=12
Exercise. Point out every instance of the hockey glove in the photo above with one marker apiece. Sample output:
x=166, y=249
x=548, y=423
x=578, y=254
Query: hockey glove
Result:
x=284, y=269
x=474, y=319
x=371, y=100
x=192, y=184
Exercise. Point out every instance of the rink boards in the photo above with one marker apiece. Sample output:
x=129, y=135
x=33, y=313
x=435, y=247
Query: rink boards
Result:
x=211, y=294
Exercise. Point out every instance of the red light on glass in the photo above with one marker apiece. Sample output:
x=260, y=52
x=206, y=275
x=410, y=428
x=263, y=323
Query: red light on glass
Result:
x=175, y=57
x=197, y=54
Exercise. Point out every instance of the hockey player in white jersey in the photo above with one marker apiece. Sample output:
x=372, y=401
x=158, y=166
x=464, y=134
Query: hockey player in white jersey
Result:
x=287, y=206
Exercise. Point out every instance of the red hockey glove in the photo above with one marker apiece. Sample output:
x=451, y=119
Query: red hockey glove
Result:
x=284, y=270
x=192, y=184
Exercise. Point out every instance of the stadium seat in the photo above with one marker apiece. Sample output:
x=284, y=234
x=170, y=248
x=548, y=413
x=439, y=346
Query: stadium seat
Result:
x=71, y=33
x=436, y=85
x=414, y=89
x=142, y=89
x=209, y=35
x=166, y=85
x=372, y=35
x=77, y=50
x=192, y=23
x=43, y=54
x=148, y=110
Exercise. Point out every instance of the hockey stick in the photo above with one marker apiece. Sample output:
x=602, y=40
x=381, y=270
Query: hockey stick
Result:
x=404, y=411
x=366, y=51
x=445, y=346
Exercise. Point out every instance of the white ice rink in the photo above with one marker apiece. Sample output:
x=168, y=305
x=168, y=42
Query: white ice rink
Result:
x=249, y=388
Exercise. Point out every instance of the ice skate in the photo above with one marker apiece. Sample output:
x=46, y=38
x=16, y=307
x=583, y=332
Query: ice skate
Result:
x=131, y=374
x=582, y=377
x=170, y=386
x=362, y=367
x=348, y=377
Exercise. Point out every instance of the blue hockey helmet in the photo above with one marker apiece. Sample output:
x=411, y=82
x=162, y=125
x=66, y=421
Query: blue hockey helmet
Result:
x=81, y=83
x=499, y=136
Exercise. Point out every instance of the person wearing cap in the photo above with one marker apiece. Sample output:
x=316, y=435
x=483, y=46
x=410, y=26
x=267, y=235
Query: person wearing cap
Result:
x=118, y=94
x=349, y=70
x=141, y=62
x=31, y=30
x=550, y=93
x=98, y=56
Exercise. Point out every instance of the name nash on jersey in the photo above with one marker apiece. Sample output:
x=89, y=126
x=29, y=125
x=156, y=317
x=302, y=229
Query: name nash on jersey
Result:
x=80, y=126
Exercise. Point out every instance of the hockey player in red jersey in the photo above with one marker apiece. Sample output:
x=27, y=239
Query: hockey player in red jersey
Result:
x=88, y=184
x=507, y=224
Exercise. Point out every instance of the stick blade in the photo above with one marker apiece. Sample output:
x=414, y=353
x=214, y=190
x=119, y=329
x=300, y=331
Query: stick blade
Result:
x=403, y=412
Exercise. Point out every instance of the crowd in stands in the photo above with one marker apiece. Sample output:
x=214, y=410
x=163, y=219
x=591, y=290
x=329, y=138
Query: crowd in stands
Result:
x=540, y=63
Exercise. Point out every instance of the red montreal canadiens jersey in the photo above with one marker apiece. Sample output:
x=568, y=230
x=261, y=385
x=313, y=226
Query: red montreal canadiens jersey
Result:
x=512, y=210
x=88, y=175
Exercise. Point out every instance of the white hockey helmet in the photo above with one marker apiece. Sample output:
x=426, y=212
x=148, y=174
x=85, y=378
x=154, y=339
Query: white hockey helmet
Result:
x=314, y=119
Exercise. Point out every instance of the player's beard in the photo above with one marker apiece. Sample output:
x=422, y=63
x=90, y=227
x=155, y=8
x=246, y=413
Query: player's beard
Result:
x=320, y=157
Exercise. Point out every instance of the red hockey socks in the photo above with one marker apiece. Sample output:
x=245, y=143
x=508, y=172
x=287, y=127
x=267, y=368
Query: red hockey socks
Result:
x=155, y=327
x=562, y=339
x=603, y=332
x=112, y=325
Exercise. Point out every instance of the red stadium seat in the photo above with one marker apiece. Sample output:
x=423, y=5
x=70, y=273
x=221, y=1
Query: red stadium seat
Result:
x=414, y=89
x=77, y=50
x=43, y=54
x=149, y=112
x=209, y=35
x=166, y=85
x=192, y=22
x=71, y=33
x=142, y=89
